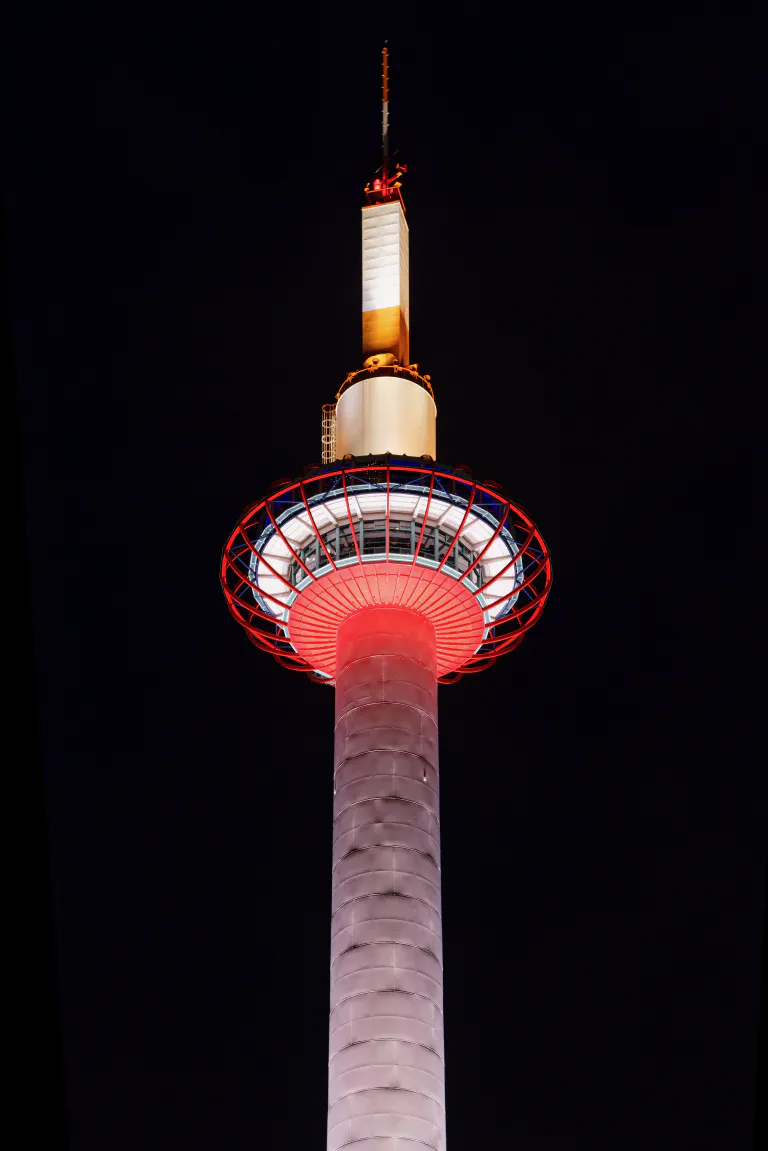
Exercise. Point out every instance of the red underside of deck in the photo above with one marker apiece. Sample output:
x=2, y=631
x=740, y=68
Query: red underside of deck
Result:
x=318, y=611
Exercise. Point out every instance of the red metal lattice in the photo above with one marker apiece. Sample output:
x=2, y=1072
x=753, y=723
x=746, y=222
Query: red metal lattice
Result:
x=468, y=640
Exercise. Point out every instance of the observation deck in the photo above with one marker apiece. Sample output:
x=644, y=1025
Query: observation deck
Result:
x=386, y=530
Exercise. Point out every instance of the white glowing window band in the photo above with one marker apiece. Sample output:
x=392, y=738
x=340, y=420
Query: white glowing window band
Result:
x=385, y=258
x=370, y=506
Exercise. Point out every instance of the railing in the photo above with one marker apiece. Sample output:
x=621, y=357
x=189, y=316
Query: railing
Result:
x=371, y=537
x=387, y=370
x=329, y=433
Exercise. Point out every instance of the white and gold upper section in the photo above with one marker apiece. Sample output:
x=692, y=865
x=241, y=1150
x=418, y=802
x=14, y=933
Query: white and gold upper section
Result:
x=386, y=305
x=387, y=406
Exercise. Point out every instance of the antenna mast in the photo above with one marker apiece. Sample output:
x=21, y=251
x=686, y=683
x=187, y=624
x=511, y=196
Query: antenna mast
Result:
x=385, y=110
x=385, y=187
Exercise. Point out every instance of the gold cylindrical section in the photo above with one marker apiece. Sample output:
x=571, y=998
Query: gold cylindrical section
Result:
x=385, y=413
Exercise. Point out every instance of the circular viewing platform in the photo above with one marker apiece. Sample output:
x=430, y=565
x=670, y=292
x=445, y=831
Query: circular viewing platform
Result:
x=386, y=530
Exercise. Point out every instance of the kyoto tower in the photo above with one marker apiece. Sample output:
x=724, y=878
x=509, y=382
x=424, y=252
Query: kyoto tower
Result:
x=383, y=573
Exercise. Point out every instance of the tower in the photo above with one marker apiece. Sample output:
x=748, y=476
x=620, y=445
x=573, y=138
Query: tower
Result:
x=382, y=573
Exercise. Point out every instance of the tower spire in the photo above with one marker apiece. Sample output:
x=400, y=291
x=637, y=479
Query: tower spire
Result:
x=385, y=107
x=385, y=187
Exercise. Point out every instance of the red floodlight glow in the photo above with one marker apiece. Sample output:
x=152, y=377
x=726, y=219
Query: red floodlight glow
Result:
x=456, y=616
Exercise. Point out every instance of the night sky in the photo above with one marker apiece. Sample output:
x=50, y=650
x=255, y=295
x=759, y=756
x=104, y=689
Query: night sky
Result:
x=183, y=238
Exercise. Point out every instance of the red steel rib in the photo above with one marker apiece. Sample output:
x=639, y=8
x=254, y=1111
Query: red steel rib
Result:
x=426, y=514
x=461, y=527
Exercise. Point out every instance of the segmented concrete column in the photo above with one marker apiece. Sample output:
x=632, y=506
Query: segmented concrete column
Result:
x=386, y=1070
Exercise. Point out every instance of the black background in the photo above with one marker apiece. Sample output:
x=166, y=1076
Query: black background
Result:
x=182, y=214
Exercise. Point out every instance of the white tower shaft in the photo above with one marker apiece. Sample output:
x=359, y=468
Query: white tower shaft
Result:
x=386, y=1069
